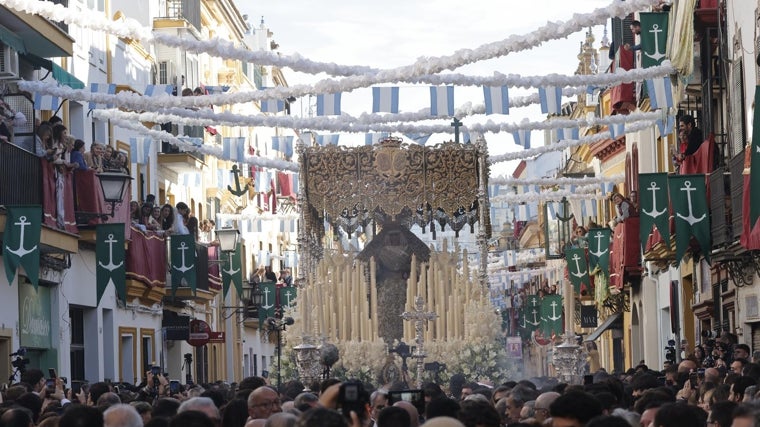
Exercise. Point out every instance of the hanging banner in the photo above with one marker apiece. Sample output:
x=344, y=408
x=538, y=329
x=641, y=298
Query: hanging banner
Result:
x=232, y=272
x=268, y=300
x=514, y=347
x=688, y=197
x=577, y=268
x=551, y=315
x=653, y=199
x=183, y=261
x=589, y=316
x=110, y=256
x=23, y=227
x=288, y=297
x=654, y=38
x=599, y=249
x=531, y=314
x=34, y=321
x=750, y=237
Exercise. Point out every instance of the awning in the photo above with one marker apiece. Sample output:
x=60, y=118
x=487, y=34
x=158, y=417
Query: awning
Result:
x=611, y=322
x=59, y=74
x=8, y=37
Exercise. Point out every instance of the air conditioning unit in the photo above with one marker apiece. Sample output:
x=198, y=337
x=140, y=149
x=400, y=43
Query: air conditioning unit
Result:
x=8, y=62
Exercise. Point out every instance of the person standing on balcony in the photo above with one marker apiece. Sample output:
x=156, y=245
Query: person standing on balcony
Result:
x=167, y=218
x=623, y=207
x=43, y=141
x=636, y=31
x=695, y=137
x=94, y=157
x=180, y=220
x=77, y=157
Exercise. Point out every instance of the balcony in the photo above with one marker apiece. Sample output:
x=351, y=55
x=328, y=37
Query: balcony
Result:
x=207, y=277
x=625, y=258
x=146, y=266
x=35, y=34
x=188, y=11
x=21, y=183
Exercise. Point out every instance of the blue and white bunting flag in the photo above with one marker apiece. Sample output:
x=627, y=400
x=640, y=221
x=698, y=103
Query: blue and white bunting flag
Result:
x=617, y=130
x=139, y=149
x=223, y=178
x=157, y=90
x=551, y=99
x=291, y=259
x=418, y=138
x=215, y=90
x=257, y=226
x=46, y=102
x=522, y=137
x=194, y=141
x=263, y=258
x=666, y=127
x=588, y=208
x=523, y=213
x=190, y=179
x=295, y=183
x=287, y=226
x=283, y=144
x=328, y=104
x=233, y=148
x=375, y=137
x=497, y=99
x=329, y=139
x=263, y=182
x=272, y=105
x=442, y=100
x=660, y=93
x=568, y=133
x=385, y=100
x=107, y=88
x=550, y=211
x=493, y=190
x=607, y=188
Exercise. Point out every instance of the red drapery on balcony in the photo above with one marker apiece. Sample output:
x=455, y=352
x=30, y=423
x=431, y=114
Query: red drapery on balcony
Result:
x=625, y=250
x=750, y=237
x=622, y=97
x=49, y=197
x=89, y=198
x=146, y=258
x=214, y=277
x=286, y=184
x=702, y=160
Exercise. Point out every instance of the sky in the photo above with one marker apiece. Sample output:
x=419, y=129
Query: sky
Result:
x=394, y=33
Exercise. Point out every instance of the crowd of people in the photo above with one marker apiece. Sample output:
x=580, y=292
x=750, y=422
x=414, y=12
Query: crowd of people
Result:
x=695, y=392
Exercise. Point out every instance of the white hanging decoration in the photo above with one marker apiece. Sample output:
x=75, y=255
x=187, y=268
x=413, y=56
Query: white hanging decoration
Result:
x=502, y=180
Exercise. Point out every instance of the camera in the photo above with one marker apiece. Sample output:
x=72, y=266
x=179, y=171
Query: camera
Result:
x=174, y=387
x=415, y=397
x=670, y=352
x=353, y=397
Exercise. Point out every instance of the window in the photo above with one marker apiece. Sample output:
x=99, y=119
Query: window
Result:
x=76, y=317
x=148, y=353
x=738, y=133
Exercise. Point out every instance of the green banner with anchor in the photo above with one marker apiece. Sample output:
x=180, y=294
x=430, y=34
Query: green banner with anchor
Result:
x=653, y=198
x=21, y=242
x=232, y=271
x=110, y=255
x=654, y=38
x=577, y=268
x=288, y=296
x=599, y=249
x=689, y=199
x=183, y=261
x=551, y=315
x=531, y=314
x=268, y=300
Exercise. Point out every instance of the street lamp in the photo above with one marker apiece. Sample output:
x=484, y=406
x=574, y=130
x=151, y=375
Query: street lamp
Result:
x=278, y=325
x=113, y=185
x=228, y=239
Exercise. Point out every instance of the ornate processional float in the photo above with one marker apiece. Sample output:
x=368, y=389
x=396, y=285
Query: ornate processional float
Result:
x=390, y=195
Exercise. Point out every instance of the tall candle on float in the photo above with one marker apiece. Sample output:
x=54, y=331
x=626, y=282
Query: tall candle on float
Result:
x=373, y=292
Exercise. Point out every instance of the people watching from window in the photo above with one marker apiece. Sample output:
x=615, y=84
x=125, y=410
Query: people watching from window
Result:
x=94, y=157
x=77, y=157
x=43, y=141
x=694, y=134
x=180, y=219
x=167, y=217
x=623, y=207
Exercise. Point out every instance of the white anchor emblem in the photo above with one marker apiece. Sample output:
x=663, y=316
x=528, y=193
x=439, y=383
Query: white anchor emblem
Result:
x=287, y=297
x=654, y=213
x=657, y=54
x=266, y=305
x=535, y=321
x=554, y=316
x=578, y=272
x=230, y=271
x=183, y=268
x=691, y=219
x=110, y=266
x=21, y=251
x=599, y=236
